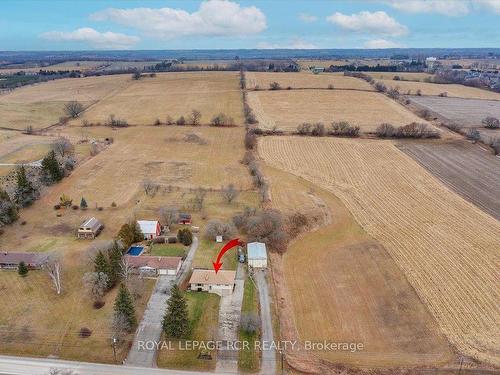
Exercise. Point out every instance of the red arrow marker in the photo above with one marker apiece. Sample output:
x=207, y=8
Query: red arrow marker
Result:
x=233, y=243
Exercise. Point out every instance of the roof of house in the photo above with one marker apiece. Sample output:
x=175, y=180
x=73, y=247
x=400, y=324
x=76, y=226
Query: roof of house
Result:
x=170, y=263
x=210, y=277
x=184, y=216
x=148, y=226
x=28, y=258
x=92, y=223
x=256, y=250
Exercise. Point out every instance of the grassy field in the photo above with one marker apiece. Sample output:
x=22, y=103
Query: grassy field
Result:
x=168, y=250
x=445, y=245
x=40, y=323
x=357, y=294
x=42, y=105
x=305, y=80
x=173, y=94
x=249, y=359
x=419, y=77
x=433, y=89
x=203, y=316
x=288, y=109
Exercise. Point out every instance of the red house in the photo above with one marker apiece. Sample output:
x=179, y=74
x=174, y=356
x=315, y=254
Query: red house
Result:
x=185, y=219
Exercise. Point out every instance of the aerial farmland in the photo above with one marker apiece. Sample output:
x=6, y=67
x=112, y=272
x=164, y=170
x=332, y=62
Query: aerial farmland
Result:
x=171, y=206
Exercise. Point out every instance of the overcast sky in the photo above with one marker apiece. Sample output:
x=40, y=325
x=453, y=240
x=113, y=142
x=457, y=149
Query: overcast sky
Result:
x=214, y=24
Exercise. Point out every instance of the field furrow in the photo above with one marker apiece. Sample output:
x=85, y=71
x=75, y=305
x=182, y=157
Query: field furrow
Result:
x=447, y=247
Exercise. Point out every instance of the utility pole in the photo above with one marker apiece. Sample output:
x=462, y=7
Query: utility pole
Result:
x=114, y=347
x=282, y=354
x=461, y=363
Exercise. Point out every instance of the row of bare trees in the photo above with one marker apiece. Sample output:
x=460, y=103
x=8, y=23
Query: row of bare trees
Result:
x=337, y=128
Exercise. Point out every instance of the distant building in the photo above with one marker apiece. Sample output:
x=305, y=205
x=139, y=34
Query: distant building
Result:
x=432, y=63
x=90, y=228
x=185, y=219
x=257, y=255
x=11, y=260
x=317, y=69
x=221, y=283
x=154, y=265
x=149, y=228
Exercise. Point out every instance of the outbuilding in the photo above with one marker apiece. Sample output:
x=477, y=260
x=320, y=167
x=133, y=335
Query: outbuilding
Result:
x=257, y=255
x=154, y=265
x=90, y=228
x=185, y=219
x=221, y=283
x=149, y=228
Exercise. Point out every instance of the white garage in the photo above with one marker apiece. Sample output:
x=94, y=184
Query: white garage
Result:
x=257, y=255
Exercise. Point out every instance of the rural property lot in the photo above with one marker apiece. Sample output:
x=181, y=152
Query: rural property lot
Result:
x=403, y=75
x=465, y=168
x=344, y=285
x=447, y=247
x=434, y=89
x=42, y=105
x=305, y=80
x=464, y=112
x=174, y=94
x=287, y=109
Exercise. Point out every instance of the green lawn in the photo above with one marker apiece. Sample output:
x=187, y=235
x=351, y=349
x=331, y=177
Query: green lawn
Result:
x=207, y=253
x=168, y=250
x=204, y=317
x=249, y=360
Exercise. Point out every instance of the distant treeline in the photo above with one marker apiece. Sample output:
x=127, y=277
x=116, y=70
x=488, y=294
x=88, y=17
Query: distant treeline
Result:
x=414, y=66
x=252, y=66
x=19, y=79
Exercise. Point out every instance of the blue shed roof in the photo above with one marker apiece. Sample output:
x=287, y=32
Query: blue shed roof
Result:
x=256, y=250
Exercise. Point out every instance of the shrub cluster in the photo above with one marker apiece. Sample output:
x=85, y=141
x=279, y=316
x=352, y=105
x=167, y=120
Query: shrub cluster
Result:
x=339, y=129
x=412, y=130
x=222, y=120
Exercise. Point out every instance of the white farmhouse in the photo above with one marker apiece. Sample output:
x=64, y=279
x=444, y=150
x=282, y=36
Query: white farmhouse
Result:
x=221, y=283
x=257, y=255
x=154, y=265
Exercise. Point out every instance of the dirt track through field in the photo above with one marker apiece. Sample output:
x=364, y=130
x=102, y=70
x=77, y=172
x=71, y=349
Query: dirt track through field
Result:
x=465, y=168
x=447, y=247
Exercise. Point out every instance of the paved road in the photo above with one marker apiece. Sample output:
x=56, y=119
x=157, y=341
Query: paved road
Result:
x=268, y=356
x=229, y=324
x=150, y=327
x=41, y=366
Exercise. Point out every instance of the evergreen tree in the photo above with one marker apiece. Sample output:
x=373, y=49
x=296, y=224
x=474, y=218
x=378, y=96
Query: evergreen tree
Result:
x=83, y=204
x=115, y=258
x=22, y=269
x=8, y=210
x=124, y=306
x=51, y=170
x=138, y=235
x=25, y=193
x=126, y=235
x=101, y=263
x=185, y=236
x=176, y=320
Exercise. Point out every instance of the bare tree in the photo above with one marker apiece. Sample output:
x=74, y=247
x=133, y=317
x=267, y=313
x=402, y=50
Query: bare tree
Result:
x=63, y=146
x=199, y=198
x=96, y=284
x=120, y=326
x=53, y=268
x=195, y=117
x=73, y=109
x=169, y=215
x=491, y=122
x=150, y=187
x=216, y=228
x=229, y=193
x=126, y=269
